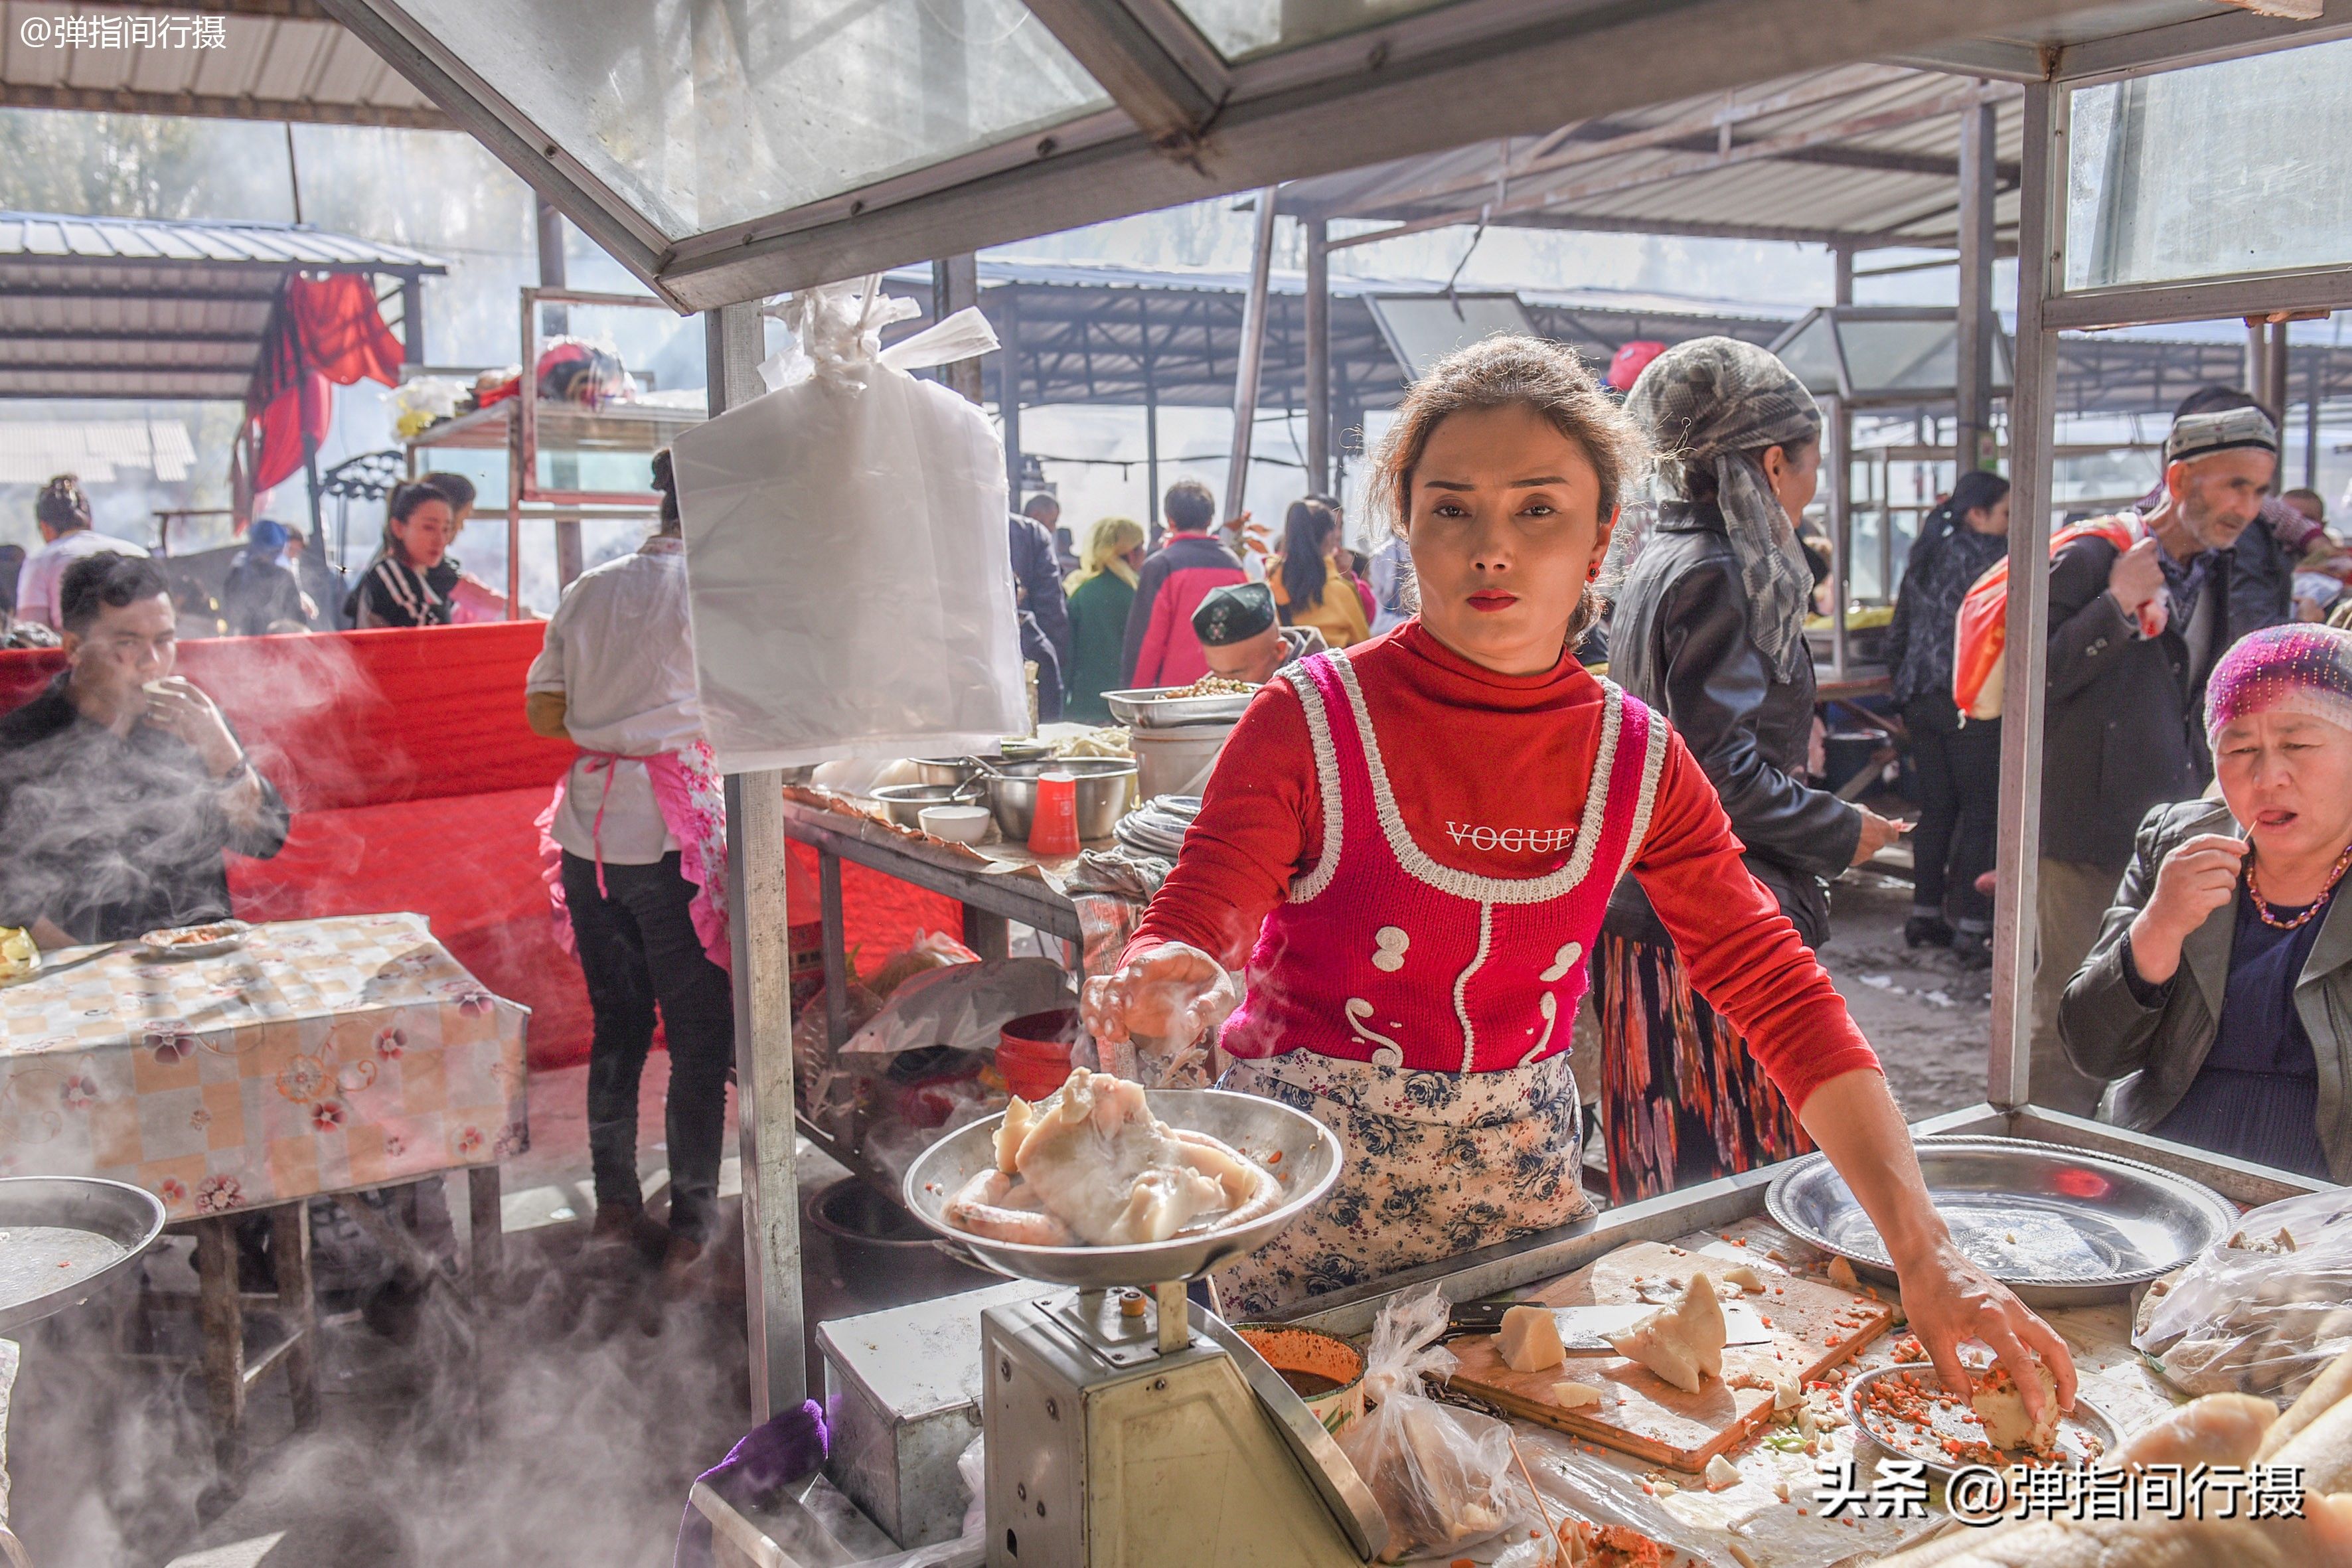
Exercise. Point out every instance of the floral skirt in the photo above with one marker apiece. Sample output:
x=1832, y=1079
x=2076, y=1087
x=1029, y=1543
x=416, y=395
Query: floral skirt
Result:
x=1682, y=1099
x=1438, y=1163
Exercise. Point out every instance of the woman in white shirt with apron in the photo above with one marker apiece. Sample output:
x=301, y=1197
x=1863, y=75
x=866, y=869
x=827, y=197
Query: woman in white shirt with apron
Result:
x=638, y=828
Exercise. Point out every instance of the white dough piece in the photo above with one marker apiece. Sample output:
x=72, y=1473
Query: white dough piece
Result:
x=1721, y=1473
x=1842, y=1275
x=1530, y=1340
x=2001, y=1405
x=1574, y=1395
x=1682, y=1342
x=1744, y=1275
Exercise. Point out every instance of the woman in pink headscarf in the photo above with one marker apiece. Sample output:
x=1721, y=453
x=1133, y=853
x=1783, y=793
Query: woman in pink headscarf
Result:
x=2217, y=990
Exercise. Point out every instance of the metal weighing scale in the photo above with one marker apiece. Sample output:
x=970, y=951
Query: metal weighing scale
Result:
x=1125, y=1428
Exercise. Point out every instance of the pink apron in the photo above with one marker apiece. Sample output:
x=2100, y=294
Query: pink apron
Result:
x=692, y=800
x=1424, y=1014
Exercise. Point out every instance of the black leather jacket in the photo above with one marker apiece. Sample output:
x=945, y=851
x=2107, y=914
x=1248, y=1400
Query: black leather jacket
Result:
x=1678, y=640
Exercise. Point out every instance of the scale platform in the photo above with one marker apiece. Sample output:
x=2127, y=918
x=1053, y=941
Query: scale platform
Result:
x=1125, y=1430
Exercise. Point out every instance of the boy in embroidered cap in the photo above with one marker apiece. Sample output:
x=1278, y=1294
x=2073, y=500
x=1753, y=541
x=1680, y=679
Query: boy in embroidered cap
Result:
x=1240, y=638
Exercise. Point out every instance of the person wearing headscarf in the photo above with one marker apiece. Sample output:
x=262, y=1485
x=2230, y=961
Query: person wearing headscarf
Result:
x=1958, y=764
x=2139, y=614
x=1101, y=592
x=2218, y=989
x=1709, y=627
x=262, y=595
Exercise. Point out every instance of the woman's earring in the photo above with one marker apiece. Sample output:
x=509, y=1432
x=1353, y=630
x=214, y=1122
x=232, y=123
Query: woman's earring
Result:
x=1592, y=573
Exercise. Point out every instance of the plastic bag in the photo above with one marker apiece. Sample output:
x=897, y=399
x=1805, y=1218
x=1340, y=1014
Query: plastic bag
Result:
x=2264, y=1310
x=962, y=1006
x=1442, y=1476
x=850, y=579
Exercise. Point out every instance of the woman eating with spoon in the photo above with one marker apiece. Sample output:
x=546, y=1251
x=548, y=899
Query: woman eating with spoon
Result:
x=1406, y=848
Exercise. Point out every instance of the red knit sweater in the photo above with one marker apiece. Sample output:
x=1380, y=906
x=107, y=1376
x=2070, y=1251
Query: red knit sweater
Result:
x=1482, y=764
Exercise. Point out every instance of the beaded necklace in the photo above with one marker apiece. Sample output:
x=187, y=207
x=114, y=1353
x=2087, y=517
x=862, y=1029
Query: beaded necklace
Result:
x=2255, y=892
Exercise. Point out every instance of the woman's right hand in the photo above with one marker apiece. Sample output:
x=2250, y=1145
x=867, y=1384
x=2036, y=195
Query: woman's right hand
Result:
x=2199, y=877
x=1168, y=995
x=1877, y=833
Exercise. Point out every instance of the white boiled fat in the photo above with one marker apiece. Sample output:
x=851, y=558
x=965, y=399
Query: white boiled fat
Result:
x=1530, y=1340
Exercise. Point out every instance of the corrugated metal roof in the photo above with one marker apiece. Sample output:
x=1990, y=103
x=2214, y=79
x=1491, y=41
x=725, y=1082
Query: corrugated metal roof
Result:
x=31, y=451
x=269, y=59
x=103, y=307
x=1862, y=155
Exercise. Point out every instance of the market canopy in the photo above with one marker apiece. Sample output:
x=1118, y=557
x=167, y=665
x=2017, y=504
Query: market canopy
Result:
x=722, y=153
x=140, y=308
x=238, y=59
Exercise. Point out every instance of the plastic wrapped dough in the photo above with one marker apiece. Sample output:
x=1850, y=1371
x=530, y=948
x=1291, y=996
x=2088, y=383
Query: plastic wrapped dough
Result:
x=2264, y=1310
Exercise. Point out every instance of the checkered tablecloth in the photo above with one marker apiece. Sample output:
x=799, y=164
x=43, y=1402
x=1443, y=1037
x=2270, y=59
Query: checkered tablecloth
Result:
x=322, y=1056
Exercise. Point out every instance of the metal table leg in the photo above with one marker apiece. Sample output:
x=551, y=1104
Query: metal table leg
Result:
x=836, y=947
x=222, y=1317
x=985, y=933
x=290, y=1251
x=485, y=1189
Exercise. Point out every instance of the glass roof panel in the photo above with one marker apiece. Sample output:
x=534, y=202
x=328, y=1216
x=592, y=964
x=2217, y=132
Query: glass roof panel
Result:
x=1811, y=357
x=1423, y=329
x=2218, y=169
x=1237, y=28
x=701, y=116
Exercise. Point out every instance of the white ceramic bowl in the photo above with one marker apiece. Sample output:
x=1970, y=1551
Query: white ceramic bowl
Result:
x=956, y=823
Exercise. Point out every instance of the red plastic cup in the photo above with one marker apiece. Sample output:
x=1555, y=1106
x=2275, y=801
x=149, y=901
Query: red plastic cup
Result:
x=1032, y=1052
x=1054, y=827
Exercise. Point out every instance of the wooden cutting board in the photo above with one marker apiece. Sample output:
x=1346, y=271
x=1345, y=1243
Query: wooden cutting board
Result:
x=1813, y=1326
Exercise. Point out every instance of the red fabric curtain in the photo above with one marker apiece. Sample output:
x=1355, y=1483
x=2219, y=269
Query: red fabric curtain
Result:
x=324, y=329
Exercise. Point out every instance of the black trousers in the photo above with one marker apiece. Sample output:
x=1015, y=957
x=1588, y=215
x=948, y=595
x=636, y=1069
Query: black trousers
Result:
x=638, y=949
x=1958, y=767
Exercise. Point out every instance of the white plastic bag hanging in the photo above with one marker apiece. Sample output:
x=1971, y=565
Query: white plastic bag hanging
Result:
x=849, y=567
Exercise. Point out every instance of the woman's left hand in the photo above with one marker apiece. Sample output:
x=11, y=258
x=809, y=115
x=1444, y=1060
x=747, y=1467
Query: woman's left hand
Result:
x=1951, y=1301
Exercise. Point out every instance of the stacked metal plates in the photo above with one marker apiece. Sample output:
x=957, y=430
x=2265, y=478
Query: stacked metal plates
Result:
x=1159, y=825
x=1158, y=706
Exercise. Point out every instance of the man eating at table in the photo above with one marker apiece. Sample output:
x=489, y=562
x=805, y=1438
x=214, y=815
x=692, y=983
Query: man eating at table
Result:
x=122, y=784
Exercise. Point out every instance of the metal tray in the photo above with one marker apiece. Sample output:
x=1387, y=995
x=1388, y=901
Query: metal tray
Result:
x=1153, y=708
x=2084, y=1436
x=2060, y=1226
x=1258, y=1128
x=232, y=936
x=94, y=1228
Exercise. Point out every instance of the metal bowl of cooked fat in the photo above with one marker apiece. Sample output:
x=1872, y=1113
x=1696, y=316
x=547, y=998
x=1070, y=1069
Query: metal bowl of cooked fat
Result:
x=63, y=1237
x=1209, y=699
x=206, y=941
x=1299, y=1153
x=2062, y=1228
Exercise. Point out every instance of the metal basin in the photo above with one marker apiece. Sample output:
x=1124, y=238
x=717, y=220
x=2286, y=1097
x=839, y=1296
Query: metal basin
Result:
x=1309, y=1163
x=64, y=1237
x=2060, y=1226
x=904, y=804
x=1105, y=790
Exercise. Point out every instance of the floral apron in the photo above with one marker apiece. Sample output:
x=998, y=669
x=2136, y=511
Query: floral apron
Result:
x=692, y=799
x=1424, y=1014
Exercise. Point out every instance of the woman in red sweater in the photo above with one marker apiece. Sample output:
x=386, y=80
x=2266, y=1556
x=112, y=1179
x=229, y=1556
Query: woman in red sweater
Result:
x=1408, y=849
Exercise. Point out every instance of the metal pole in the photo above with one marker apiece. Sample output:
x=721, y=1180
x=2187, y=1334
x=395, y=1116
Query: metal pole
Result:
x=1319, y=356
x=2258, y=375
x=2274, y=395
x=1253, y=347
x=759, y=928
x=2032, y=426
x=563, y=468
x=2311, y=425
x=1150, y=367
x=1843, y=259
x=412, y=320
x=1008, y=390
x=955, y=286
x=1838, y=429
x=1972, y=443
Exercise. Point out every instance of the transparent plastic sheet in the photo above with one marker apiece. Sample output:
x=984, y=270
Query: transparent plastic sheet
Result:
x=1441, y=1475
x=2264, y=1310
x=962, y=1006
x=851, y=584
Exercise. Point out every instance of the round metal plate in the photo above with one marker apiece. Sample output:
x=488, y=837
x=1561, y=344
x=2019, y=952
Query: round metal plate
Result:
x=61, y=1238
x=2060, y=1226
x=232, y=936
x=1308, y=1163
x=2084, y=1436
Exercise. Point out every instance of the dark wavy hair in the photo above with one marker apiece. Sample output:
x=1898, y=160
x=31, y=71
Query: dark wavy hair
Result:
x=1307, y=531
x=62, y=505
